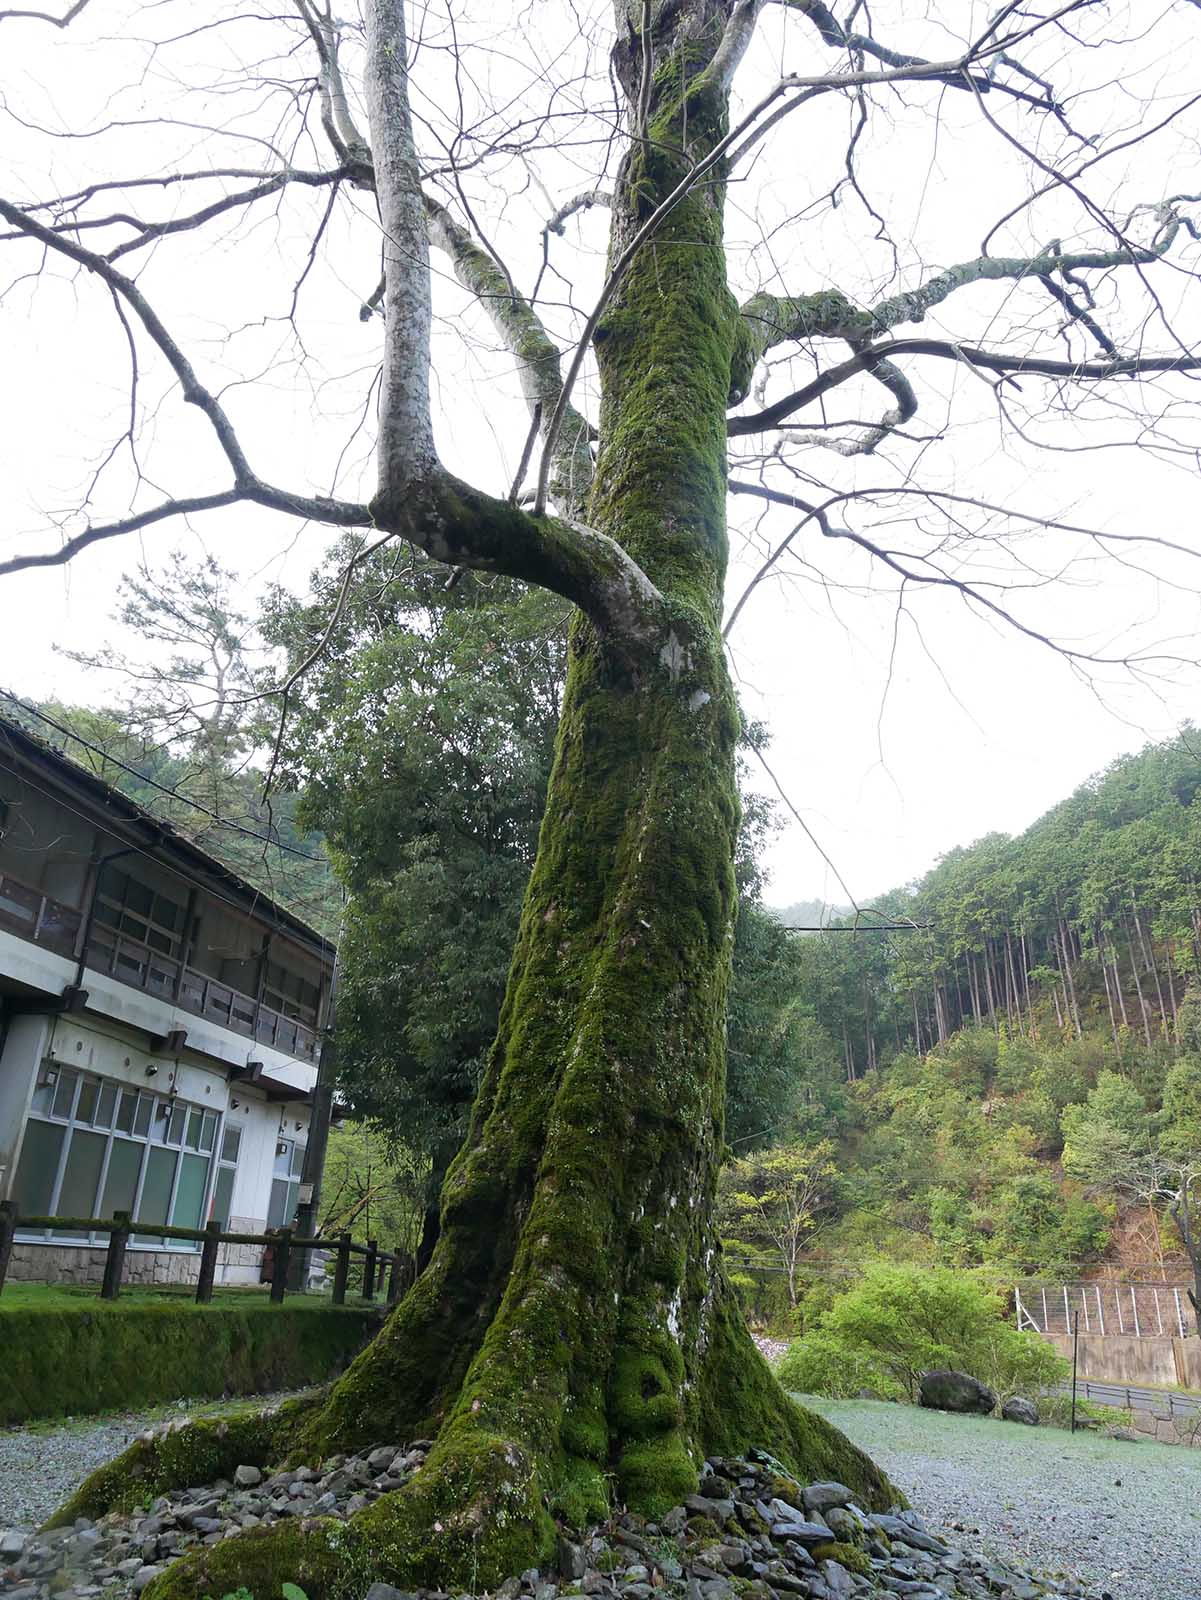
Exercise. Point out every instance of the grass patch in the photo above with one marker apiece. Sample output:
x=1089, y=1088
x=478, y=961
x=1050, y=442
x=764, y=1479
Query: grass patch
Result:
x=84, y=1297
x=67, y=1352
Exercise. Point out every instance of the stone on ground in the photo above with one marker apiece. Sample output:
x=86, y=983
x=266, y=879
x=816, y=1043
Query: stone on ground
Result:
x=945, y=1390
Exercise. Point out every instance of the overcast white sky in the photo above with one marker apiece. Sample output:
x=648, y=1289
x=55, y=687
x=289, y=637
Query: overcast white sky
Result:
x=897, y=739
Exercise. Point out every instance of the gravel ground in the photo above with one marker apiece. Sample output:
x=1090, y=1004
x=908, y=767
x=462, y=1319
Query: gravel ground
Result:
x=40, y=1466
x=1125, y=1519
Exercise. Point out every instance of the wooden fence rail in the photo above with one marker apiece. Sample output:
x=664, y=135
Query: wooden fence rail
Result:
x=121, y=1227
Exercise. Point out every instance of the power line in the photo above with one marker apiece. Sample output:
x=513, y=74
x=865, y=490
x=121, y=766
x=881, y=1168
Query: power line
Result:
x=875, y=927
x=105, y=755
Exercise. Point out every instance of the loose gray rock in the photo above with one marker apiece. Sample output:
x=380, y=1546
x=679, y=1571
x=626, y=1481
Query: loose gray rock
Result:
x=944, y=1390
x=1017, y=1409
x=247, y=1477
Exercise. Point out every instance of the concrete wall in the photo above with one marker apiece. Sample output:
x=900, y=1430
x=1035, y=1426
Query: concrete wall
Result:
x=1157, y=1363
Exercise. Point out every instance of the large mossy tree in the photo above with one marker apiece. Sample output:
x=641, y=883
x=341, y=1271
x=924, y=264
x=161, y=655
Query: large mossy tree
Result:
x=574, y=1342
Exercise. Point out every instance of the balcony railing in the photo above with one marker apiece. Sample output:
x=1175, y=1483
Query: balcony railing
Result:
x=47, y=922
x=135, y=963
x=36, y=916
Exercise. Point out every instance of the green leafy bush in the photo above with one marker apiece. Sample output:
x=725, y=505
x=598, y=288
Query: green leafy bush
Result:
x=901, y=1321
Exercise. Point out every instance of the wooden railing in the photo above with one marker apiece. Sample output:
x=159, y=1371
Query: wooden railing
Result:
x=36, y=916
x=121, y=1226
x=133, y=962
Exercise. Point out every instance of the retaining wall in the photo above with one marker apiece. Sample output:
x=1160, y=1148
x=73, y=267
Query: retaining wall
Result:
x=1161, y=1363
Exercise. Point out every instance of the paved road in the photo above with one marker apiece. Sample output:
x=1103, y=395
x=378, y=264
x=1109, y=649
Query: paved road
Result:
x=1129, y=1397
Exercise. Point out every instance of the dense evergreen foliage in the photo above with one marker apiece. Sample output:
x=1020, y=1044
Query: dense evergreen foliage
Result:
x=1093, y=915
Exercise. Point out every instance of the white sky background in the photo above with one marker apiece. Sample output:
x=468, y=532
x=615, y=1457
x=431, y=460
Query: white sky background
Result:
x=897, y=740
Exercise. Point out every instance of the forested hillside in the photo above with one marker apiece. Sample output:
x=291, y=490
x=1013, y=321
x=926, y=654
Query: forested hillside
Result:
x=1090, y=917
x=1012, y=1077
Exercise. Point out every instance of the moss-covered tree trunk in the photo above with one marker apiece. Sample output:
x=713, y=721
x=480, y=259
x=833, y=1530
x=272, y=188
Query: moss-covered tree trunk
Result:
x=574, y=1341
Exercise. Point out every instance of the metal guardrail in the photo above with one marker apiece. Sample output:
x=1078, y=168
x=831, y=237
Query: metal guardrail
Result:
x=1130, y=1397
x=122, y=1226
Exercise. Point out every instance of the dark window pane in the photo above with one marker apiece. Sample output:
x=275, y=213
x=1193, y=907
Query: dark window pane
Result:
x=112, y=882
x=38, y=1168
x=231, y=1138
x=160, y=1121
x=81, y=1175
x=141, y=1122
x=222, y=1195
x=166, y=913
x=134, y=927
x=86, y=1104
x=108, y=1103
x=189, y=1196
x=208, y=1130
x=107, y=914
x=125, y=1111
x=179, y=1115
x=156, y=1189
x=65, y=1092
x=160, y=941
x=138, y=897
x=195, y=1121
x=297, y=1159
x=121, y=1181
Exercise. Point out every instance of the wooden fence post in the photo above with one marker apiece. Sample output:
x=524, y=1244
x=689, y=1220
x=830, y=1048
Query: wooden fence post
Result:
x=369, y=1269
x=394, y=1278
x=114, y=1261
x=8, y=1227
x=208, y=1262
x=342, y=1269
x=279, y=1270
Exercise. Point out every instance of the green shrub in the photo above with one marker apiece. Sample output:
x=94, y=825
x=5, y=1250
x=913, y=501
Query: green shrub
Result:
x=901, y=1321
x=97, y=1356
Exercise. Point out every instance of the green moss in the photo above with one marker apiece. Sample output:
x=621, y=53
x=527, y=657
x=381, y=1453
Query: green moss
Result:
x=186, y=1457
x=313, y=1555
x=84, y=1357
x=845, y=1554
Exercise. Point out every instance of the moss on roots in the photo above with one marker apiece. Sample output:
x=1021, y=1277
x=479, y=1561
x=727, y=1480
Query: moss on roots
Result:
x=197, y=1453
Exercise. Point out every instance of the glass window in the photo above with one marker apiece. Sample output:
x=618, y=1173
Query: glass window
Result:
x=189, y=1194
x=92, y=1172
x=223, y=1191
x=86, y=1104
x=231, y=1140
x=81, y=1175
x=43, y=1094
x=156, y=1188
x=64, y=1093
x=125, y=1111
x=280, y=1211
x=297, y=1158
x=108, y=1101
x=138, y=897
x=38, y=1168
x=121, y=1180
x=141, y=1122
